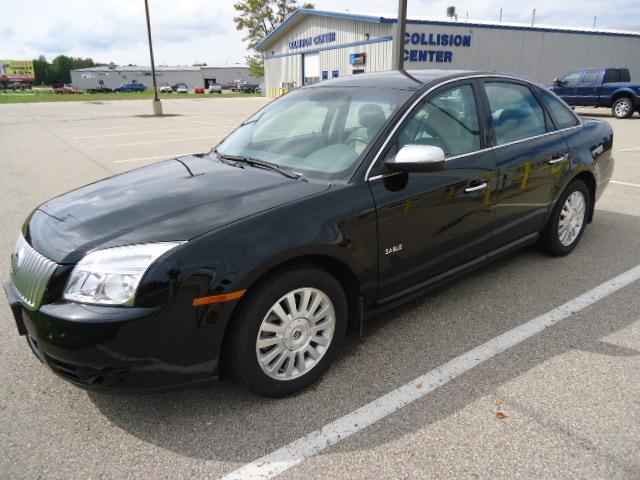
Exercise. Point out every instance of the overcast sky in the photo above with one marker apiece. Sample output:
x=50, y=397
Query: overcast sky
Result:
x=191, y=31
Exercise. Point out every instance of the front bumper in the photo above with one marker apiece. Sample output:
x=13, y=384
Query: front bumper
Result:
x=124, y=349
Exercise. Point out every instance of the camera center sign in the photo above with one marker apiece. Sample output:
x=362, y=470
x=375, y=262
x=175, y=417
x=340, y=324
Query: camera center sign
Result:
x=16, y=70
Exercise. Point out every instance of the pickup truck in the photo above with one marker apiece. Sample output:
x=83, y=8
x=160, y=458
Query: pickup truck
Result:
x=131, y=87
x=600, y=87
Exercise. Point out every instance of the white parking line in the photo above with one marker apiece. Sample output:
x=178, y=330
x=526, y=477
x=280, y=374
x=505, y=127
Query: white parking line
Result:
x=296, y=452
x=136, y=132
x=625, y=183
x=632, y=149
x=142, y=159
x=166, y=140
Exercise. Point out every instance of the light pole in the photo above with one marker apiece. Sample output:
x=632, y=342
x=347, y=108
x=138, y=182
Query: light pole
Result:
x=157, y=104
x=398, y=50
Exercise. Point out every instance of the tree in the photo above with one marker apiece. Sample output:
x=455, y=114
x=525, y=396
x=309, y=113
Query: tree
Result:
x=40, y=69
x=259, y=18
x=58, y=70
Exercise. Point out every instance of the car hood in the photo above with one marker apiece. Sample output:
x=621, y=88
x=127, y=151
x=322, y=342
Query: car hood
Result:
x=173, y=200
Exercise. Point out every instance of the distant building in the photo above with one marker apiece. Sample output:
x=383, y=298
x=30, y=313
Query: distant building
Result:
x=114, y=76
x=313, y=46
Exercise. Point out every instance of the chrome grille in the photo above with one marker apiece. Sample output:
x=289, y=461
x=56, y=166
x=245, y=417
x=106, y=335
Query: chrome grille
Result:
x=30, y=273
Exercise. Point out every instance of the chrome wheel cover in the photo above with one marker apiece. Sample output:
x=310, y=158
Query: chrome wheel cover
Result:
x=571, y=218
x=295, y=333
x=622, y=108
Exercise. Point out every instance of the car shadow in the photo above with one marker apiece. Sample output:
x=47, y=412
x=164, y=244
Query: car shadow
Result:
x=226, y=422
x=605, y=114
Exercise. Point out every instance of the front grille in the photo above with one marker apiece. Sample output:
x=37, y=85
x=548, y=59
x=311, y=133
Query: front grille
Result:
x=30, y=273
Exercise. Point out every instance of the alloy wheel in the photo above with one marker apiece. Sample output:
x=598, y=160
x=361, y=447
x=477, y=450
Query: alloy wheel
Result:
x=622, y=109
x=571, y=218
x=295, y=333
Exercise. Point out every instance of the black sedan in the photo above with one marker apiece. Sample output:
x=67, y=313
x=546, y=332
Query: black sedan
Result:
x=331, y=204
x=99, y=89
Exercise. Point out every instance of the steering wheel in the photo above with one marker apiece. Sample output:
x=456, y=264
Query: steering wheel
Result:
x=357, y=138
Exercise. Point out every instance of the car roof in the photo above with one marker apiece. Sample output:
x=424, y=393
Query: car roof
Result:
x=405, y=79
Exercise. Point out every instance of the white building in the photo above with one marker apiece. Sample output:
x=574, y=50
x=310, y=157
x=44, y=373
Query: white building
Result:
x=313, y=45
x=193, y=77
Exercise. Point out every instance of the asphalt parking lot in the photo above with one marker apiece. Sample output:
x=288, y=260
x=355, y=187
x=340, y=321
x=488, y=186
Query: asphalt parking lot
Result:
x=569, y=397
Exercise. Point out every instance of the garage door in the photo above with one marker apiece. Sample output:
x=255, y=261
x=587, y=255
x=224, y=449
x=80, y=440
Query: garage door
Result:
x=311, y=68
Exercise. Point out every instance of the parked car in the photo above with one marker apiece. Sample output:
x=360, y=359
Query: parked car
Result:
x=67, y=89
x=214, y=88
x=180, y=88
x=15, y=86
x=600, y=87
x=131, y=87
x=331, y=204
x=165, y=88
x=249, y=88
x=198, y=90
x=99, y=89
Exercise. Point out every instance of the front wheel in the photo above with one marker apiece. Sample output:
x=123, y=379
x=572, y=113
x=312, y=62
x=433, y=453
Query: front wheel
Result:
x=288, y=330
x=568, y=220
x=622, y=108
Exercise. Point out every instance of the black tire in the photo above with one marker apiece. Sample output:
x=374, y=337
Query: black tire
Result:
x=255, y=306
x=622, y=108
x=550, y=241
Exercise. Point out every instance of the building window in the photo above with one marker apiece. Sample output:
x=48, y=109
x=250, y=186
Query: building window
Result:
x=325, y=75
x=335, y=73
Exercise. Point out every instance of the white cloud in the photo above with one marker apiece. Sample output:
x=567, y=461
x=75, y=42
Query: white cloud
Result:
x=203, y=30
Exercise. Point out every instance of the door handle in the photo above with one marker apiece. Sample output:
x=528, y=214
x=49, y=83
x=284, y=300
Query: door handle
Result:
x=558, y=159
x=476, y=188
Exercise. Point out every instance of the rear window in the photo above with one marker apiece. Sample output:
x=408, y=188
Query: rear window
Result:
x=560, y=114
x=515, y=112
x=612, y=75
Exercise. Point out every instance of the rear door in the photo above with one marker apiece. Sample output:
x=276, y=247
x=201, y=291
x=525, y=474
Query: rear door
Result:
x=588, y=92
x=568, y=89
x=531, y=157
x=429, y=223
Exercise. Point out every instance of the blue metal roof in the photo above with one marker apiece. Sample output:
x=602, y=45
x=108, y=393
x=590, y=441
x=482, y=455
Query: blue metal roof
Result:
x=382, y=19
x=321, y=13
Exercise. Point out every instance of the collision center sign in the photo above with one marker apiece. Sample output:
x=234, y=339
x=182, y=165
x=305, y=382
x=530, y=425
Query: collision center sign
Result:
x=16, y=70
x=312, y=41
x=428, y=47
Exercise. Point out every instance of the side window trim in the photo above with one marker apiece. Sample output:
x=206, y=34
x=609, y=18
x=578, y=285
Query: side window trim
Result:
x=369, y=168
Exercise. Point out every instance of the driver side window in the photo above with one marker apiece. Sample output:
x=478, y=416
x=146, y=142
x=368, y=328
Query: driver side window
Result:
x=571, y=78
x=448, y=119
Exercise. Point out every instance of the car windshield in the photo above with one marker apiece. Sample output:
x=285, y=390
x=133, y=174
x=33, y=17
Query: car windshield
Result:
x=318, y=132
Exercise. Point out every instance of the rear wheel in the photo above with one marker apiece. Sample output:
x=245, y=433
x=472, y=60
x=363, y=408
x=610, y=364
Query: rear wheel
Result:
x=568, y=220
x=288, y=330
x=622, y=107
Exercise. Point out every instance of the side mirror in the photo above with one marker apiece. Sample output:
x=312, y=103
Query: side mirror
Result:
x=417, y=158
x=558, y=82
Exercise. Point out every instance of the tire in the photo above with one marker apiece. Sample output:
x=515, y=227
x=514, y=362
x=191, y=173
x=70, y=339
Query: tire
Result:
x=295, y=367
x=622, y=107
x=559, y=241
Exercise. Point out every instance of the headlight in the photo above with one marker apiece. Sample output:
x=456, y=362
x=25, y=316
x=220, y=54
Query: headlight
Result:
x=111, y=276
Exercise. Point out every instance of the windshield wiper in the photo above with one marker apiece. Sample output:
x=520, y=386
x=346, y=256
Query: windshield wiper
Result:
x=254, y=162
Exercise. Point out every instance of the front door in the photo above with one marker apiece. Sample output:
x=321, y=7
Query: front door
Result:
x=429, y=223
x=530, y=155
